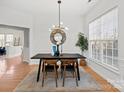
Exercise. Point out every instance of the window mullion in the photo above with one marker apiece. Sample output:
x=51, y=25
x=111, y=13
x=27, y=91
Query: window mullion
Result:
x=102, y=46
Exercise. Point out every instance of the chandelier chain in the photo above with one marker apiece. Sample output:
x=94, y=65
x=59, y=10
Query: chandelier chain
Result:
x=59, y=2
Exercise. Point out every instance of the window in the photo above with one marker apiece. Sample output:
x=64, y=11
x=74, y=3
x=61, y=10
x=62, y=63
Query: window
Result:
x=9, y=39
x=2, y=40
x=6, y=40
x=103, y=39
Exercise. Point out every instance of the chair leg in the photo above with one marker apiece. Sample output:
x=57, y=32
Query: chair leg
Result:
x=64, y=75
x=73, y=74
x=76, y=77
x=43, y=75
x=61, y=73
x=46, y=72
x=55, y=75
x=56, y=80
x=43, y=78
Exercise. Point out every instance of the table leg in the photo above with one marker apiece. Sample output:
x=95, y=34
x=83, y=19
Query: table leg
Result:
x=38, y=74
x=78, y=74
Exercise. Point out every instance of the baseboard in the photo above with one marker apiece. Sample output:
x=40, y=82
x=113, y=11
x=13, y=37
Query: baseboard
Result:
x=111, y=77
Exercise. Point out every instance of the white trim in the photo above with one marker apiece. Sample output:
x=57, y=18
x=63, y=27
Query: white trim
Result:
x=111, y=68
x=97, y=30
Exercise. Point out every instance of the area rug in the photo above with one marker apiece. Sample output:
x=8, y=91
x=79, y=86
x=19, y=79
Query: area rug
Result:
x=86, y=83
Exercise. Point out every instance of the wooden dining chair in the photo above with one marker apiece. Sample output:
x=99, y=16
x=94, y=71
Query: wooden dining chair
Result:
x=70, y=66
x=49, y=65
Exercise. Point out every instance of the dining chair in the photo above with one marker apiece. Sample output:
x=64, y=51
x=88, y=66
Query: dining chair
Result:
x=49, y=65
x=70, y=66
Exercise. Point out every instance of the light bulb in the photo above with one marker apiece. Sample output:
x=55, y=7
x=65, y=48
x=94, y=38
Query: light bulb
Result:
x=53, y=26
x=61, y=23
x=50, y=29
x=66, y=28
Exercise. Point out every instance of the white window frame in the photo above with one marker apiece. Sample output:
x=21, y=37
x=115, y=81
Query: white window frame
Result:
x=3, y=41
x=95, y=38
x=9, y=43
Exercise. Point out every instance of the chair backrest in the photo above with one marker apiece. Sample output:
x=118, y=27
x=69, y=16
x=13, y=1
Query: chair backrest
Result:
x=50, y=61
x=68, y=61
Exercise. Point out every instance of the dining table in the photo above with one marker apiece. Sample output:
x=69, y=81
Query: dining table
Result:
x=42, y=56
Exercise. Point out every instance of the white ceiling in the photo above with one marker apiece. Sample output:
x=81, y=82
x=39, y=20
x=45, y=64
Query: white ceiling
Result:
x=49, y=6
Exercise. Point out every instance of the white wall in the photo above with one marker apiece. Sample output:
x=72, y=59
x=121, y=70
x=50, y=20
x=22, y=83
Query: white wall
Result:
x=102, y=7
x=12, y=17
x=121, y=29
x=121, y=39
x=26, y=50
x=39, y=25
x=43, y=22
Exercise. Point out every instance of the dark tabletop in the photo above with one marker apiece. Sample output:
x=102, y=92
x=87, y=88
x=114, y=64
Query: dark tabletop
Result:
x=64, y=55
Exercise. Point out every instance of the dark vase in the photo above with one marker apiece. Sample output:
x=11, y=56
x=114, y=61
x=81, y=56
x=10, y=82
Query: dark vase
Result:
x=57, y=51
x=54, y=50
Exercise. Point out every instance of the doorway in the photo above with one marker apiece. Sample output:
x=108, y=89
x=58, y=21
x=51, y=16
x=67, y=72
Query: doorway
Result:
x=16, y=41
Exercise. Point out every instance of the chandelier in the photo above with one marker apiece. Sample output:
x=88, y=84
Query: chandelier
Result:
x=60, y=24
x=58, y=35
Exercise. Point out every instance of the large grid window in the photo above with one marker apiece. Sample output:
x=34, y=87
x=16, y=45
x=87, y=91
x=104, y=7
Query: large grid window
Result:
x=9, y=39
x=103, y=39
x=6, y=40
x=2, y=40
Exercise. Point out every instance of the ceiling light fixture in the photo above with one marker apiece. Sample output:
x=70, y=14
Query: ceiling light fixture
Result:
x=58, y=35
x=89, y=0
x=60, y=24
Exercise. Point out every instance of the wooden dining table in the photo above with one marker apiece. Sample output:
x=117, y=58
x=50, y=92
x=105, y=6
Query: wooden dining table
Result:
x=42, y=56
